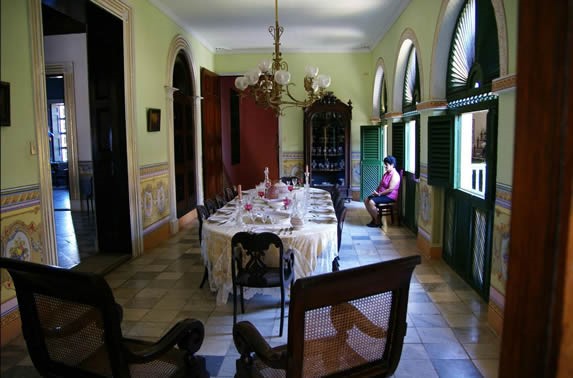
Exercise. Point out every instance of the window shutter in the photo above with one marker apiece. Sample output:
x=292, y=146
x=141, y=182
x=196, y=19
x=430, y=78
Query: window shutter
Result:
x=440, y=150
x=371, y=156
x=398, y=144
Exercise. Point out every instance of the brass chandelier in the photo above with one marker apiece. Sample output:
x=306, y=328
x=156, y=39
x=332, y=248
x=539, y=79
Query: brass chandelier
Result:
x=269, y=82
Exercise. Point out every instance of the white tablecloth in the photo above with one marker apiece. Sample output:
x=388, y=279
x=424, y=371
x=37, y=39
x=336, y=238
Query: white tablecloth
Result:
x=314, y=244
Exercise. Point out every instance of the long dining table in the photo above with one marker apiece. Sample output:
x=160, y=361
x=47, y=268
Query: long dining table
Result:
x=314, y=243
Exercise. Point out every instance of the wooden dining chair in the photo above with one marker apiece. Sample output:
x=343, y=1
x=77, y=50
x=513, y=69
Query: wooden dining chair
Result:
x=211, y=205
x=350, y=323
x=249, y=267
x=392, y=208
x=229, y=194
x=72, y=327
x=220, y=200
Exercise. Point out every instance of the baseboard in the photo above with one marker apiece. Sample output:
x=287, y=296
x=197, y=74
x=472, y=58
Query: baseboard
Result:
x=429, y=251
x=155, y=237
x=11, y=327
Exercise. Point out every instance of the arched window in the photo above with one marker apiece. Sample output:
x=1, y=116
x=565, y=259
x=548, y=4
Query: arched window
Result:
x=474, y=53
x=411, y=94
x=383, y=98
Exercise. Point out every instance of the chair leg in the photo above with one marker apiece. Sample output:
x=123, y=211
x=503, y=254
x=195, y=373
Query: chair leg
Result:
x=204, y=279
x=242, y=300
x=234, y=304
x=282, y=310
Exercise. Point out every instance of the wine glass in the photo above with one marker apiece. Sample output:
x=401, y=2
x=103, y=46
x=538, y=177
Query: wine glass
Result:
x=248, y=206
x=287, y=201
x=290, y=186
x=261, y=190
x=294, y=181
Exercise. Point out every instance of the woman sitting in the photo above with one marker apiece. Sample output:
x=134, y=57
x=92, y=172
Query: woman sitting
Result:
x=386, y=192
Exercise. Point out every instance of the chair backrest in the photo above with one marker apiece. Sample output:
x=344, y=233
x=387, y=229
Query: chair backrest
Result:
x=229, y=194
x=350, y=322
x=211, y=205
x=202, y=215
x=220, y=199
x=67, y=318
x=250, y=256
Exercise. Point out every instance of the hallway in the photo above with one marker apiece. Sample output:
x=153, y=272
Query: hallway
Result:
x=448, y=334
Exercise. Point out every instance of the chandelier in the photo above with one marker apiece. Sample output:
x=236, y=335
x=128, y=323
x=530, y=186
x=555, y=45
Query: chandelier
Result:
x=269, y=82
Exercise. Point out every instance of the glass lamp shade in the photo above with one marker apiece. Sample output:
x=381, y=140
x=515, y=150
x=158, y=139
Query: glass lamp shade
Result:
x=253, y=76
x=241, y=83
x=265, y=65
x=311, y=71
x=282, y=77
x=314, y=86
x=323, y=81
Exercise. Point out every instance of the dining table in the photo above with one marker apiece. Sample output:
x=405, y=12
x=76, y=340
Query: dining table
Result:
x=308, y=227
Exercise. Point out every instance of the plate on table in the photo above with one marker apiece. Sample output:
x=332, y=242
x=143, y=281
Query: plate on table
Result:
x=225, y=211
x=218, y=218
x=321, y=210
x=323, y=219
x=260, y=230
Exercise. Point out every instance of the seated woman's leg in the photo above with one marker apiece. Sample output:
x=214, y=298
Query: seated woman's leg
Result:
x=371, y=208
x=377, y=201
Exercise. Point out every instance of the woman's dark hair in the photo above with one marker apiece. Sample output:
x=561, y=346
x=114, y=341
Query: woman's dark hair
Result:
x=390, y=160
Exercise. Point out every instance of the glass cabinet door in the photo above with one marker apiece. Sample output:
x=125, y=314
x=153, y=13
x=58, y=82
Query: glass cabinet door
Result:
x=327, y=143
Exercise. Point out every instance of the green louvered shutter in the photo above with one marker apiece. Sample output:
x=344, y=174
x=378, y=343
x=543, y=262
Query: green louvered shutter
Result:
x=440, y=150
x=371, y=156
x=398, y=144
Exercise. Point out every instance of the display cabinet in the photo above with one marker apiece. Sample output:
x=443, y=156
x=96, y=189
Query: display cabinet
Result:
x=327, y=143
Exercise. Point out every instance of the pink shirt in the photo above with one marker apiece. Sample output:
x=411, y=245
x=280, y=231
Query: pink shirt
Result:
x=385, y=184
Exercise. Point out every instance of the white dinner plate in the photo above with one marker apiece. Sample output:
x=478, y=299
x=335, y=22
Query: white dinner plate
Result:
x=321, y=210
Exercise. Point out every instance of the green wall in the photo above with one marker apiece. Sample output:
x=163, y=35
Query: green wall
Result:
x=18, y=166
x=153, y=35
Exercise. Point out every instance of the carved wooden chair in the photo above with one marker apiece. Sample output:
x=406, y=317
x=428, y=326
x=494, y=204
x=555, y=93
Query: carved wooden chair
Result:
x=249, y=267
x=392, y=208
x=349, y=323
x=229, y=194
x=220, y=200
x=72, y=327
x=211, y=205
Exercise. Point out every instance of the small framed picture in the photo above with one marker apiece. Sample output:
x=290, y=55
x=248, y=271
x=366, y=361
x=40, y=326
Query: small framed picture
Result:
x=4, y=103
x=153, y=119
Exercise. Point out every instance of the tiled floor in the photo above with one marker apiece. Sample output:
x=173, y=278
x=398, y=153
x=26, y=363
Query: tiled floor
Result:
x=76, y=238
x=448, y=335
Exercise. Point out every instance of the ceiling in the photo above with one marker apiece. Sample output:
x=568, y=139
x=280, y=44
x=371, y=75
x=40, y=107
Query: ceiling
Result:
x=234, y=26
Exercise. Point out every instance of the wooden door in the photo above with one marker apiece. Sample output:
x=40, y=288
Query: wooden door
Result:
x=184, y=146
x=108, y=133
x=211, y=126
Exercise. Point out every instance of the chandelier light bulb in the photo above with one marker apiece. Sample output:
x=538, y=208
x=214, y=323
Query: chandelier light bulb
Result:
x=282, y=77
x=241, y=83
x=311, y=71
x=253, y=76
x=314, y=86
x=265, y=65
x=323, y=81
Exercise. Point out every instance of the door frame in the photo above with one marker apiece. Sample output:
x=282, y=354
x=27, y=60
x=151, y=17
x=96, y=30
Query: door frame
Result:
x=67, y=70
x=124, y=13
x=177, y=45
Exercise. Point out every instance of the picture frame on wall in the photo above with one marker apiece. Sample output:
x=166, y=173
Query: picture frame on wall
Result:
x=4, y=103
x=153, y=119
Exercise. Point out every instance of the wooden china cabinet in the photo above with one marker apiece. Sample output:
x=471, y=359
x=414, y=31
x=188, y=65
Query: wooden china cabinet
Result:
x=327, y=143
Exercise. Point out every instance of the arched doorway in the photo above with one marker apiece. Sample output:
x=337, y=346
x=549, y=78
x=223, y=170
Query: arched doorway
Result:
x=184, y=136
